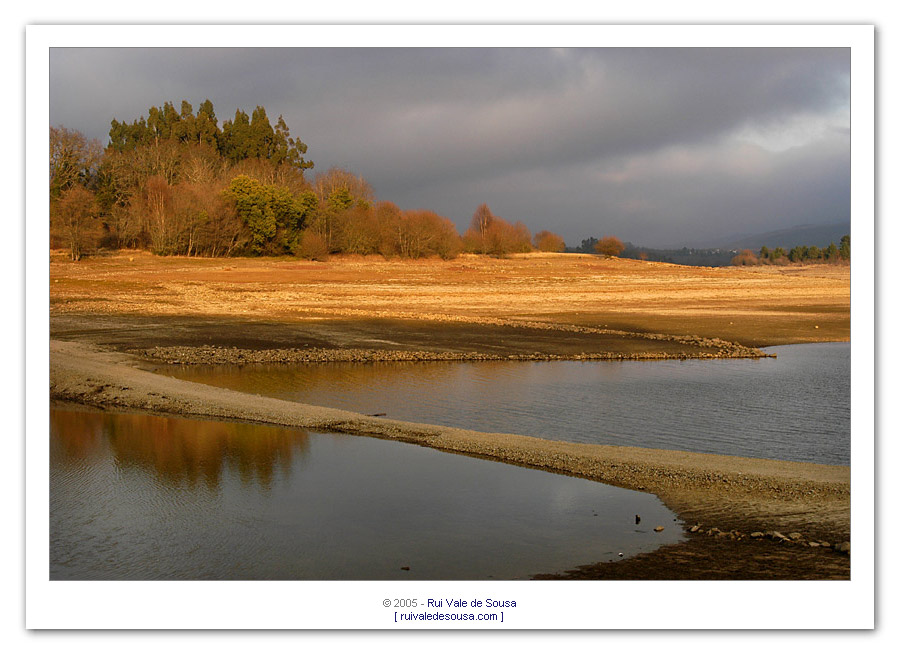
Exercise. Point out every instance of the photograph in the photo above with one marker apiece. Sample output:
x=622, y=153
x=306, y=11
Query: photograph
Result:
x=414, y=315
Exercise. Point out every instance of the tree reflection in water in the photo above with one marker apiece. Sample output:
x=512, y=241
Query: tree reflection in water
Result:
x=179, y=451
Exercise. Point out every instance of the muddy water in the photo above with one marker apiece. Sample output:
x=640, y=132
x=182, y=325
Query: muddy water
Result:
x=146, y=497
x=794, y=407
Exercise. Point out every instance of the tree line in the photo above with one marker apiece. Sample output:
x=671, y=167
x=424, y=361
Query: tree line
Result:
x=796, y=255
x=178, y=183
x=719, y=256
x=610, y=246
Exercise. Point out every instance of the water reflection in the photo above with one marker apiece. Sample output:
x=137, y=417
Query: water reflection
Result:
x=178, y=451
x=140, y=497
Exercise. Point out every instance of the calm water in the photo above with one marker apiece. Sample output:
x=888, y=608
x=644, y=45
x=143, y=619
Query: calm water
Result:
x=146, y=497
x=795, y=407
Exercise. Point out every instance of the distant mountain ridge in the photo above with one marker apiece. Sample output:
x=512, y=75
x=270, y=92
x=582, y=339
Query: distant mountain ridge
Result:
x=800, y=235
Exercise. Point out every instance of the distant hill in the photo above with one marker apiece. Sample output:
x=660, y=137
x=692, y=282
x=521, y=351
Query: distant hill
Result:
x=800, y=235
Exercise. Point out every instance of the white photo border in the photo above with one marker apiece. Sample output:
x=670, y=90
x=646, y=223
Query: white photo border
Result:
x=540, y=605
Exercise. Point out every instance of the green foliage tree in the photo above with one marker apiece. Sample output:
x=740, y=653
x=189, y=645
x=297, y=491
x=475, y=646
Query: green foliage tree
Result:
x=206, y=127
x=287, y=149
x=123, y=136
x=261, y=138
x=800, y=254
x=235, y=140
x=241, y=138
x=340, y=199
x=185, y=129
x=844, y=248
x=162, y=122
x=268, y=212
x=252, y=202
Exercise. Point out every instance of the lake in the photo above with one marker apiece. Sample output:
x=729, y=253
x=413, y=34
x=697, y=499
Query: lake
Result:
x=794, y=407
x=142, y=497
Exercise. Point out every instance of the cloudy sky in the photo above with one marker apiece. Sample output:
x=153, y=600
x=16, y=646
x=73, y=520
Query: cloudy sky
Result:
x=662, y=147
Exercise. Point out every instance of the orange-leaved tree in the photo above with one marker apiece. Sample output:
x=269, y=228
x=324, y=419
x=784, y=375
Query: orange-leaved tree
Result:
x=610, y=246
x=546, y=241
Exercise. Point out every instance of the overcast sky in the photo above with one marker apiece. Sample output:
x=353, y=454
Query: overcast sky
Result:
x=662, y=147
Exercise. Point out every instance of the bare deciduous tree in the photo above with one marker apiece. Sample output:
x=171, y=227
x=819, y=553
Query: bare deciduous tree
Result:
x=73, y=219
x=73, y=159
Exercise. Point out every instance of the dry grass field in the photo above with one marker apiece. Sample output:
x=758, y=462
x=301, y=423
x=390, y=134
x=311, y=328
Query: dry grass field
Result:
x=530, y=302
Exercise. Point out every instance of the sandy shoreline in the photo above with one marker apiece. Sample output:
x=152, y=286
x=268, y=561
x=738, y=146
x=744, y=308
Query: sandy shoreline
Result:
x=730, y=497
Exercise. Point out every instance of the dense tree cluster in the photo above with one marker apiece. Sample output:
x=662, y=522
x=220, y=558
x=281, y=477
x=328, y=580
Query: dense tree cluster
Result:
x=489, y=234
x=239, y=139
x=177, y=183
x=796, y=255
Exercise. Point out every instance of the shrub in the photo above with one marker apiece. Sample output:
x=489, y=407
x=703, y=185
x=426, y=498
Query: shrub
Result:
x=745, y=258
x=546, y=241
x=311, y=246
x=610, y=246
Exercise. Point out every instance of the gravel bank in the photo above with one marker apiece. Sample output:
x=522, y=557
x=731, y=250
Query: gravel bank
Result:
x=214, y=355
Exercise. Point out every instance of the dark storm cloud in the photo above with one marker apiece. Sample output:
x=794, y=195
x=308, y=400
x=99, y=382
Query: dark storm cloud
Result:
x=657, y=145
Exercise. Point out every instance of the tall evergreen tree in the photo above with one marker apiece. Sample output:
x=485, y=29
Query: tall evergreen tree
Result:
x=235, y=139
x=287, y=149
x=261, y=136
x=207, y=125
x=844, y=248
x=240, y=138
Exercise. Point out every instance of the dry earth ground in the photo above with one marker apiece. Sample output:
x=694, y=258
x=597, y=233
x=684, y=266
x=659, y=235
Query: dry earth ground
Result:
x=523, y=304
x=544, y=303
